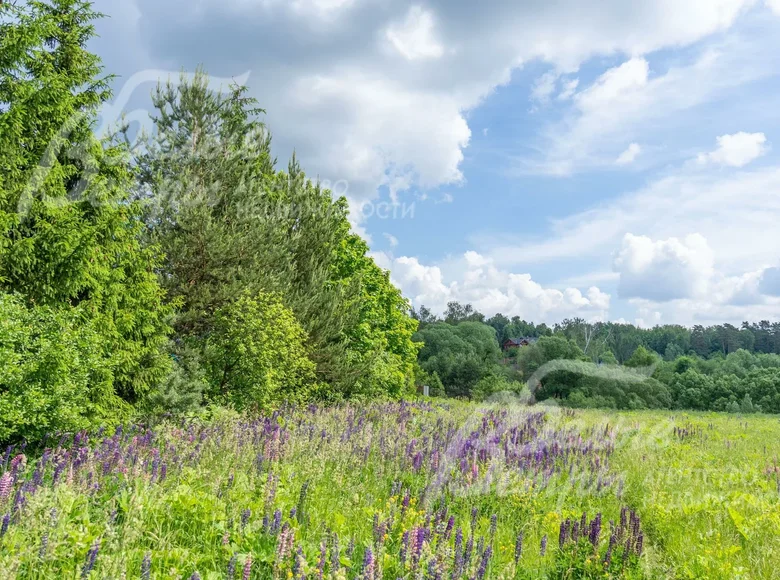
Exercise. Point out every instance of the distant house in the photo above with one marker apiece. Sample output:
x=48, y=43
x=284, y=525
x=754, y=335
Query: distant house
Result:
x=518, y=342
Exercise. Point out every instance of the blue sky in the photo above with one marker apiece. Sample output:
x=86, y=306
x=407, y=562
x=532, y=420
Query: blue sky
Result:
x=607, y=160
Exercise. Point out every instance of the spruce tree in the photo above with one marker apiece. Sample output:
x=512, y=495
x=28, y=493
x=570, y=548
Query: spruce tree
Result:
x=69, y=234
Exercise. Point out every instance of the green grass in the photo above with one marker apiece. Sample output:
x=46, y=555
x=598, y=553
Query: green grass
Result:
x=708, y=500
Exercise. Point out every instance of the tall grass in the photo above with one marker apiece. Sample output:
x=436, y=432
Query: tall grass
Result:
x=401, y=490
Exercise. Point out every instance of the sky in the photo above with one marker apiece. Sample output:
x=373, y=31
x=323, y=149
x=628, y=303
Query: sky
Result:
x=545, y=159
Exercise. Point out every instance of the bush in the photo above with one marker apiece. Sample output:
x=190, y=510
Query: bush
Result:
x=256, y=354
x=53, y=376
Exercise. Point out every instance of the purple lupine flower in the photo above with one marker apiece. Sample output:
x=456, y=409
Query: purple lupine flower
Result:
x=595, y=530
x=4, y=525
x=195, y=576
x=322, y=560
x=519, y=547
x=293, y=511
x=543, y=547
x=231, y=567
x=368, y=565
x=350, y=548
x=298, y=563
x=458, y=553
x=404, y=548
x=247, y=568
x=493, y=526
x=245, y=515
x=91, y=559
x=275, y=527
x=639, y=543
x=450, y=525
x=146, y=566
x=610, y=548
x=562, y=533
x=335, y=562
x=484, y=562
x=469, y=549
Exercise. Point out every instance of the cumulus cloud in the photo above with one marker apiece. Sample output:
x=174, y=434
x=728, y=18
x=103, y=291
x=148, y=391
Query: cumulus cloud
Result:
x=475, y=279
x=544, y=87
x=774, y=5
x=415, y=37
x=736, y=150
x=629, y=155
x=567, y=89
x=662, y=270
x=366, y=92
x=769, y=283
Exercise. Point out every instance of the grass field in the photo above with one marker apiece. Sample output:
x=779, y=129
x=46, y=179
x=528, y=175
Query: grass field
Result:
x=413, y=490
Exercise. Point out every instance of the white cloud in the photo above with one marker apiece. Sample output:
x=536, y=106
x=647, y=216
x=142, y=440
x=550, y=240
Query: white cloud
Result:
x=629, y=155
x=615, y=85
x=774, y=5
x=391, y=239
x=736, y=212
x=633, y=101
x=544, y=87
x=736, y=150
x=445, y=198
x=349, y=106
x=568, y=89
x=664, y=270
x=474, y=278
x=415, y=37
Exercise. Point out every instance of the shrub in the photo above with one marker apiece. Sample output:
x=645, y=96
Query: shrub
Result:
x=53, y=376
x=256, y=354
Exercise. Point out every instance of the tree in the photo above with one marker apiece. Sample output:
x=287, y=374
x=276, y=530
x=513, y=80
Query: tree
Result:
x=256, y=354
x=460, y=355
x=642, y=358
x=69, y=236
x=230, y=223
x=53, y=376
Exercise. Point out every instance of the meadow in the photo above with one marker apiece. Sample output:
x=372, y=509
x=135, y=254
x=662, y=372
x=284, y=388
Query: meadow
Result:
x=427, y=489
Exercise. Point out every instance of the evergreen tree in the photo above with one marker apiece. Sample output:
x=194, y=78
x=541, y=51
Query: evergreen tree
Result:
x=69, y=236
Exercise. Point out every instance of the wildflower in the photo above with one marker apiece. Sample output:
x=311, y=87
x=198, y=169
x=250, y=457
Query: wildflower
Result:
x=368, y=565
x=247, y=568
x=5, y=524
x=146, y=566
x=322, y=560
x=245, y=515
x=518, y=547
x=6, y=485
x=195, y=576
x=44, y=545
x=610, y=548
x=91, y=559
x=543, y=547
x=404, y=548
x=484, y=562
x=335, y=563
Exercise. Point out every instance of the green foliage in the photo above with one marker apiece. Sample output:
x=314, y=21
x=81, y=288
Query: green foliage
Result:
x=642, y=358
x=230, y=223
x=461, y=355
x=69, y=237
x=256, y=355
x=53, y=376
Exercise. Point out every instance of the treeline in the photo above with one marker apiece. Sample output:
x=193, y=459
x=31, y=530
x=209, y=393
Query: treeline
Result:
x=607, y=364
x=185, y=271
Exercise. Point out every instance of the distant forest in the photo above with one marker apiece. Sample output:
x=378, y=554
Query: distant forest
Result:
x=603, y=364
